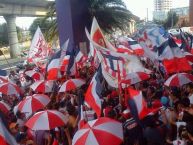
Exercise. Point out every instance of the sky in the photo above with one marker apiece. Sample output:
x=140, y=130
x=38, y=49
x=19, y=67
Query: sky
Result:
x=137, y=7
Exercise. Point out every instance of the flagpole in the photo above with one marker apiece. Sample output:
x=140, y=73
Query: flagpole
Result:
x=119, y=83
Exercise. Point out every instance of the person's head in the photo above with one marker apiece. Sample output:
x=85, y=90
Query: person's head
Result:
x=182, y=132
x=71, y=109
x=189, y=128
x=190, y=88
x=185, y=102
x=13, y=127
x=19, y=115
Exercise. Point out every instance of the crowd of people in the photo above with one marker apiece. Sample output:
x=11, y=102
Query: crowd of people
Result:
x=171, y=124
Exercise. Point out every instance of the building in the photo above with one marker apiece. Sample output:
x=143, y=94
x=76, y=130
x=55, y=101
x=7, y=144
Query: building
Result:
x=183, y=15
x=161, y=8
x=191, y=12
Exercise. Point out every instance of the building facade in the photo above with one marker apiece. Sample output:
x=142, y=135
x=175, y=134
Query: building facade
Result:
x=191, y=12
x=161, y=8
x=183, y=16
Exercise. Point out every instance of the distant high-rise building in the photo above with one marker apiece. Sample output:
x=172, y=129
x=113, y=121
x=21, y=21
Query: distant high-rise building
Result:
x=162, y=5
x=161, y=8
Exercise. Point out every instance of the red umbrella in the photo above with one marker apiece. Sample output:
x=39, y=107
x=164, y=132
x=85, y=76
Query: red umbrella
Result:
x=71, y=85
x=4, y=107
x=102, y=131
x=42, y=86
x=46, y=120
x=9, y=89
x=33, y=103
x=34, y=74
x=3, y=80
x=136, y=77
x=179, y=79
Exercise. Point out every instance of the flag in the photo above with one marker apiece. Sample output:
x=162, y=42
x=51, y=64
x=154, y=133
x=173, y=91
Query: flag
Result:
x=81, y=59
x=39, y=49
x=98, y=37
x=136, y=103
x=94, y=93
x=132, y=45
x=173, y=58
x=5, y=137
x=53, y=67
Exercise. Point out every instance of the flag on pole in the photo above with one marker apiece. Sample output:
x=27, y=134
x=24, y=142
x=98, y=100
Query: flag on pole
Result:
x=39, y=49
x=93, y=94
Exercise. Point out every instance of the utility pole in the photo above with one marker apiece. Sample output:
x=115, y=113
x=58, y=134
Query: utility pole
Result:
x=147, y=15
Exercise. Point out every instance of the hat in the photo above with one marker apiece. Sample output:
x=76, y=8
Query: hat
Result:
x=12, y=125
x=164, y=100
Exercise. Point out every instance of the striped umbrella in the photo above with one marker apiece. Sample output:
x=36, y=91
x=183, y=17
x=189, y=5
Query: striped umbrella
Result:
x=3, y=79
x=71, y=85
x=4, y=107
x=102, y=131
x=47, y=120
x=179, y=79
x=42, y=86
x=34, y=74
x=136, y=77
x=9, y=89
x=33, y=103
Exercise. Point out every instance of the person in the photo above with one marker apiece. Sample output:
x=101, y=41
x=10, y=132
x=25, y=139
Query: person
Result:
x=189, y=128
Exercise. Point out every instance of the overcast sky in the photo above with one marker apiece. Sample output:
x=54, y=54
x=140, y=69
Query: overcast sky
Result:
x=137, y=7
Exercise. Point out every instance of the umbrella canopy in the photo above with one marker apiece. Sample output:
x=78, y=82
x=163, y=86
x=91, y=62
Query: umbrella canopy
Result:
x=46, y=120
x=71, y=85
x=34, y=74
x=42, y=86
x=102, y=131
x=136, y=77
x=3, y=79
x=9, y=89
x=179, y=79
x=33, y=103
x=4, y=107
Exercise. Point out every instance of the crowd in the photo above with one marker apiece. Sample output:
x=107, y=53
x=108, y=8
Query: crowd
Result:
x=171, y=124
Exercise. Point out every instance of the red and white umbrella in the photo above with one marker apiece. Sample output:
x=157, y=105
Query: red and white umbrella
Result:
x=4, y=107
x=34, y=74
x=47, y=120
x=71, y=85
x=9, y=89
x=3, y=80
x=42, y=86
x=136, y=77
x=179, y=79
x=102, y=131
x=33, y=103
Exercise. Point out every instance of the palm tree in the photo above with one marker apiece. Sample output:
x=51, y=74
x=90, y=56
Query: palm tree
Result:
x=110, y=14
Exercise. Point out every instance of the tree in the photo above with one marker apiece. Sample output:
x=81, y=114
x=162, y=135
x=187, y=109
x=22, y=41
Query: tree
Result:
x=3, y=35
x=111, y=14
x=4, y=41
x=44, y=25
x=171, y=20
